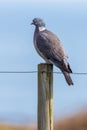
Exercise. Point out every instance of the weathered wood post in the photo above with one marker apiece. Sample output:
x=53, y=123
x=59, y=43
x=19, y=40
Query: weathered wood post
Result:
x=45, y=97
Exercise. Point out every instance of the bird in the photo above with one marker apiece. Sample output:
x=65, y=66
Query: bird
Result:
x=50, y=48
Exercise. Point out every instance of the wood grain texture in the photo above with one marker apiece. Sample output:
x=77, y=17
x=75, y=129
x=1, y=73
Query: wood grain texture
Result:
x=45, y=97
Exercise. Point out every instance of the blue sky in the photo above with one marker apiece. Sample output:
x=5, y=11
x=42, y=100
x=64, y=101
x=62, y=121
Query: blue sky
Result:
x=18, y=92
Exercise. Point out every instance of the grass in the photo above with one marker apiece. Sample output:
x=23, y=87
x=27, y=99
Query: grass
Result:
x=76, y=122
x=9, y=127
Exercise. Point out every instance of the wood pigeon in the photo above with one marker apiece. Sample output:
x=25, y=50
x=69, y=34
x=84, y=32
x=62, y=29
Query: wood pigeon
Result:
x=50, y=48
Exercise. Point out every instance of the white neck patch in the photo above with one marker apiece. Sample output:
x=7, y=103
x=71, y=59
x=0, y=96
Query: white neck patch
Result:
x=42, y=28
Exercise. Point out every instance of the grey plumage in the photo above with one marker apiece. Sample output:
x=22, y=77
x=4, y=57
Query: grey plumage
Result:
x=50, y=49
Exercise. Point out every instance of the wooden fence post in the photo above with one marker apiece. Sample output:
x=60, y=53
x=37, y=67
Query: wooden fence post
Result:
x=45, y=97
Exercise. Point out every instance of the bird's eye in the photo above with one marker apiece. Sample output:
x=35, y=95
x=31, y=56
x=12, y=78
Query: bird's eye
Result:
x=35, y=21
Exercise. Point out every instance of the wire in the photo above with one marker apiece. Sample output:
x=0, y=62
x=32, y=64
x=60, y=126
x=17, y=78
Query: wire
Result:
x=80, y=73
x=30, y=72
x=75, y=73
x=18, y=71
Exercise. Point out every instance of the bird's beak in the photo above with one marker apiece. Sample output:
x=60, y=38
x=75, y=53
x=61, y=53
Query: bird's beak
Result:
x=32, y=23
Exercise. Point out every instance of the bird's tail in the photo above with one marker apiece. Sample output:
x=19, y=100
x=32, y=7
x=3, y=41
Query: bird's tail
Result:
x=68, y=78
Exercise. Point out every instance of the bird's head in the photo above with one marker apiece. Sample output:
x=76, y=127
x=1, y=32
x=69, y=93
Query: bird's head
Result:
x=38, y=22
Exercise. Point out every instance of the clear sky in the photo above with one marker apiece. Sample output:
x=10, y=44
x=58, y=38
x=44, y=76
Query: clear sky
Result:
x=18, y=92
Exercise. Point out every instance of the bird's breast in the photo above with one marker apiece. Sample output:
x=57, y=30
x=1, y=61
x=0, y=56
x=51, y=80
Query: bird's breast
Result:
x=36, y=47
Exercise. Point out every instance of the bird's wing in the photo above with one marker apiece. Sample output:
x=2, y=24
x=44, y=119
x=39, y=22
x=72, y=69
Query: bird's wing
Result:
x=50, y=46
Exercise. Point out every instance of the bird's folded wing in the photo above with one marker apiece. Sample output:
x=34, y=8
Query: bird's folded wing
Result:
x=50, y=46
